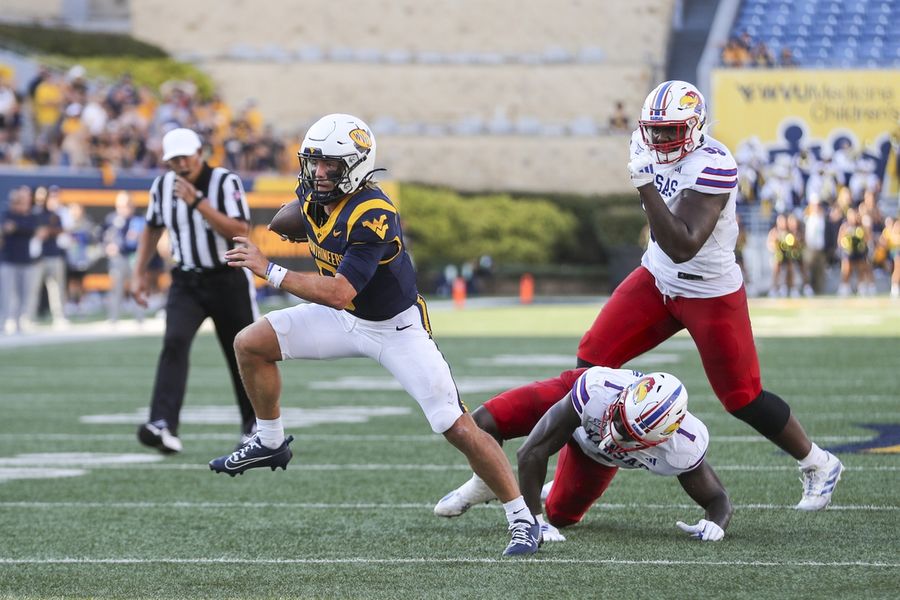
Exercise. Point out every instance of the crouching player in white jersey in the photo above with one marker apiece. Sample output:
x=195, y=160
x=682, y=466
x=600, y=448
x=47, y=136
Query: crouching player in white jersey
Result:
x=689, y=278
x=599, y=420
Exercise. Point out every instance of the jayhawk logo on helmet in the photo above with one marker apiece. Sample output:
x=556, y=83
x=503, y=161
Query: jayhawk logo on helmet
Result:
x=691, y=100
x=640, y=389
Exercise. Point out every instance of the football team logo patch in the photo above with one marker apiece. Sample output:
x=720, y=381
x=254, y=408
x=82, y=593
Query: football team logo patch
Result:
x=641, y=388
x=691, y=100
x=379, y=226
x=361, y=138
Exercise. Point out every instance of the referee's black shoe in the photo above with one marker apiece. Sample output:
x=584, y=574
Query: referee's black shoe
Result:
x=156, y=434
x=253, y=455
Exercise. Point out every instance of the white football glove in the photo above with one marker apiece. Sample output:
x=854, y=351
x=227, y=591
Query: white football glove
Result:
x=704, y=530
x=641, y=170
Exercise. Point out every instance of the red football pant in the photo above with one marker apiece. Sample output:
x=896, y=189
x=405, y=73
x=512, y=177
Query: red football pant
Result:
x=579, y=480
x=638, y=317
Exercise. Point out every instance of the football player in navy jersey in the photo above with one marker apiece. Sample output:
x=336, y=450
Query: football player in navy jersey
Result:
x=689, y=278
x=362, y=302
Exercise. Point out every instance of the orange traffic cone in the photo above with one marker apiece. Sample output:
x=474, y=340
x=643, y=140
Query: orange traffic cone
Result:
x=526, y=289
x=459, y=292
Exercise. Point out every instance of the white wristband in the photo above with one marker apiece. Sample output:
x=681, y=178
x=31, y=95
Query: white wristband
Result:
x=275, y=275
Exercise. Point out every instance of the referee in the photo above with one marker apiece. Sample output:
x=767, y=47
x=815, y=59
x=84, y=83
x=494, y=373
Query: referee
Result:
x=202, y=208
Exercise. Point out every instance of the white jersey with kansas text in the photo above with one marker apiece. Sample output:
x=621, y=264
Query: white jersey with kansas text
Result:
x=592, y=394
x=713, y=272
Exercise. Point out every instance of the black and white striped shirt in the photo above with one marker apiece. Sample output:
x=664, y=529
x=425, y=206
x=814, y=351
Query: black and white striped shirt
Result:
x=195, y=244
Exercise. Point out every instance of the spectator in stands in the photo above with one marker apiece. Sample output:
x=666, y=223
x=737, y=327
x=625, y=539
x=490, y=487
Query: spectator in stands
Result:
x=17, y=271
x=120, y=95
x=735, y=54
x=50, y=273
x=42, y=75
x=75, y=144
x=9, y=106
x=761, y=57
x=816, y=253
x=49, y=102
x=619, y=121
x=81, y=252
x=786, y=58
x=121, y=234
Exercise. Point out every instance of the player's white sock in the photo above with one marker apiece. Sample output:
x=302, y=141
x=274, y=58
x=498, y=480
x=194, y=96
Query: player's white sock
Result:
x=816, y=458
x=517, y=510
x=270, y=432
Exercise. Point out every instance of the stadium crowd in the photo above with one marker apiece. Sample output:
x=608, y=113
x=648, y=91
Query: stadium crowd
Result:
x=68, y=119
x=824, y=212
x=821, y=209
x=742, y=51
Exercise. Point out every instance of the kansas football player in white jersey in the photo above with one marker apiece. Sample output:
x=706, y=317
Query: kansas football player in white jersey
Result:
x=606, y=420
x=689, y=279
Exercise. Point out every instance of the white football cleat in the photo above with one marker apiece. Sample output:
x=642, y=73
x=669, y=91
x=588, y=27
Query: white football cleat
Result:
x=819, y=484
x=545, y=491
x=551, y=533
x=474, y=491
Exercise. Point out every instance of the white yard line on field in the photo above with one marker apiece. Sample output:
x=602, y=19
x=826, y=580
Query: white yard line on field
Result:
x=456, y=560
x=394, y=506
x=172, y=466
x=316, y=437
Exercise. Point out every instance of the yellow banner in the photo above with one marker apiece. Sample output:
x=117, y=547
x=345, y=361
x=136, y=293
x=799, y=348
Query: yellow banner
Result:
x=787, y=109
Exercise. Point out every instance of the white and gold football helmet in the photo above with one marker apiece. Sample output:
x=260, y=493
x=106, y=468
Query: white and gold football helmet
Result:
x=343, y=138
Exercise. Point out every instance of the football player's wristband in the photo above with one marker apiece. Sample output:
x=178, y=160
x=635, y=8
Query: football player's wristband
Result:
x=275, y=275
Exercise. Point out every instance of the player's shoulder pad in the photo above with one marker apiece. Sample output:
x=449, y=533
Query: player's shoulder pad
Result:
x=688, y=446
x=373, y=218
x=593, y=382
x=710, y=169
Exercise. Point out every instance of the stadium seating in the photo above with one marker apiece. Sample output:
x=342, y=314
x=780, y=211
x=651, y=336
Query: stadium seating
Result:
x=846, y=34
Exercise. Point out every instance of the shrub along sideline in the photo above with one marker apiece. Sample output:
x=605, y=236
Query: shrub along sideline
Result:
x=562, y=234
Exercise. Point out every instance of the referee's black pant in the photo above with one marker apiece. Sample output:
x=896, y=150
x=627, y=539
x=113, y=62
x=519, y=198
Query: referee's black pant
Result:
x=225, y=296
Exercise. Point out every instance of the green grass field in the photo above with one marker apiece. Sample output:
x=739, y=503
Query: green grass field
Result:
x=85, y=512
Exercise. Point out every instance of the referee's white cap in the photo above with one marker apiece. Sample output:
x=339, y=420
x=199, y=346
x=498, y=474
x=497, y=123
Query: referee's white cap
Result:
x=180, y=142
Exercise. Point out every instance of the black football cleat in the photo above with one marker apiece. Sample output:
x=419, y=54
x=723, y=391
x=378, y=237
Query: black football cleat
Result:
x=156, y=434
x=253, y=455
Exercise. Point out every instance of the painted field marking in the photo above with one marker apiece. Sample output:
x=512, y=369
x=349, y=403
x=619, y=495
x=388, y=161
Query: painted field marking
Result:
x=396, y=506
x=457, y=560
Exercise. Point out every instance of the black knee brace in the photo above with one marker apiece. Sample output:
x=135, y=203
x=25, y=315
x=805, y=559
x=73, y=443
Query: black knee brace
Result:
x=767, y=413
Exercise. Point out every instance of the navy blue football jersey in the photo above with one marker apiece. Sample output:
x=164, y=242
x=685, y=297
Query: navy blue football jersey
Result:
x=361, y=239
